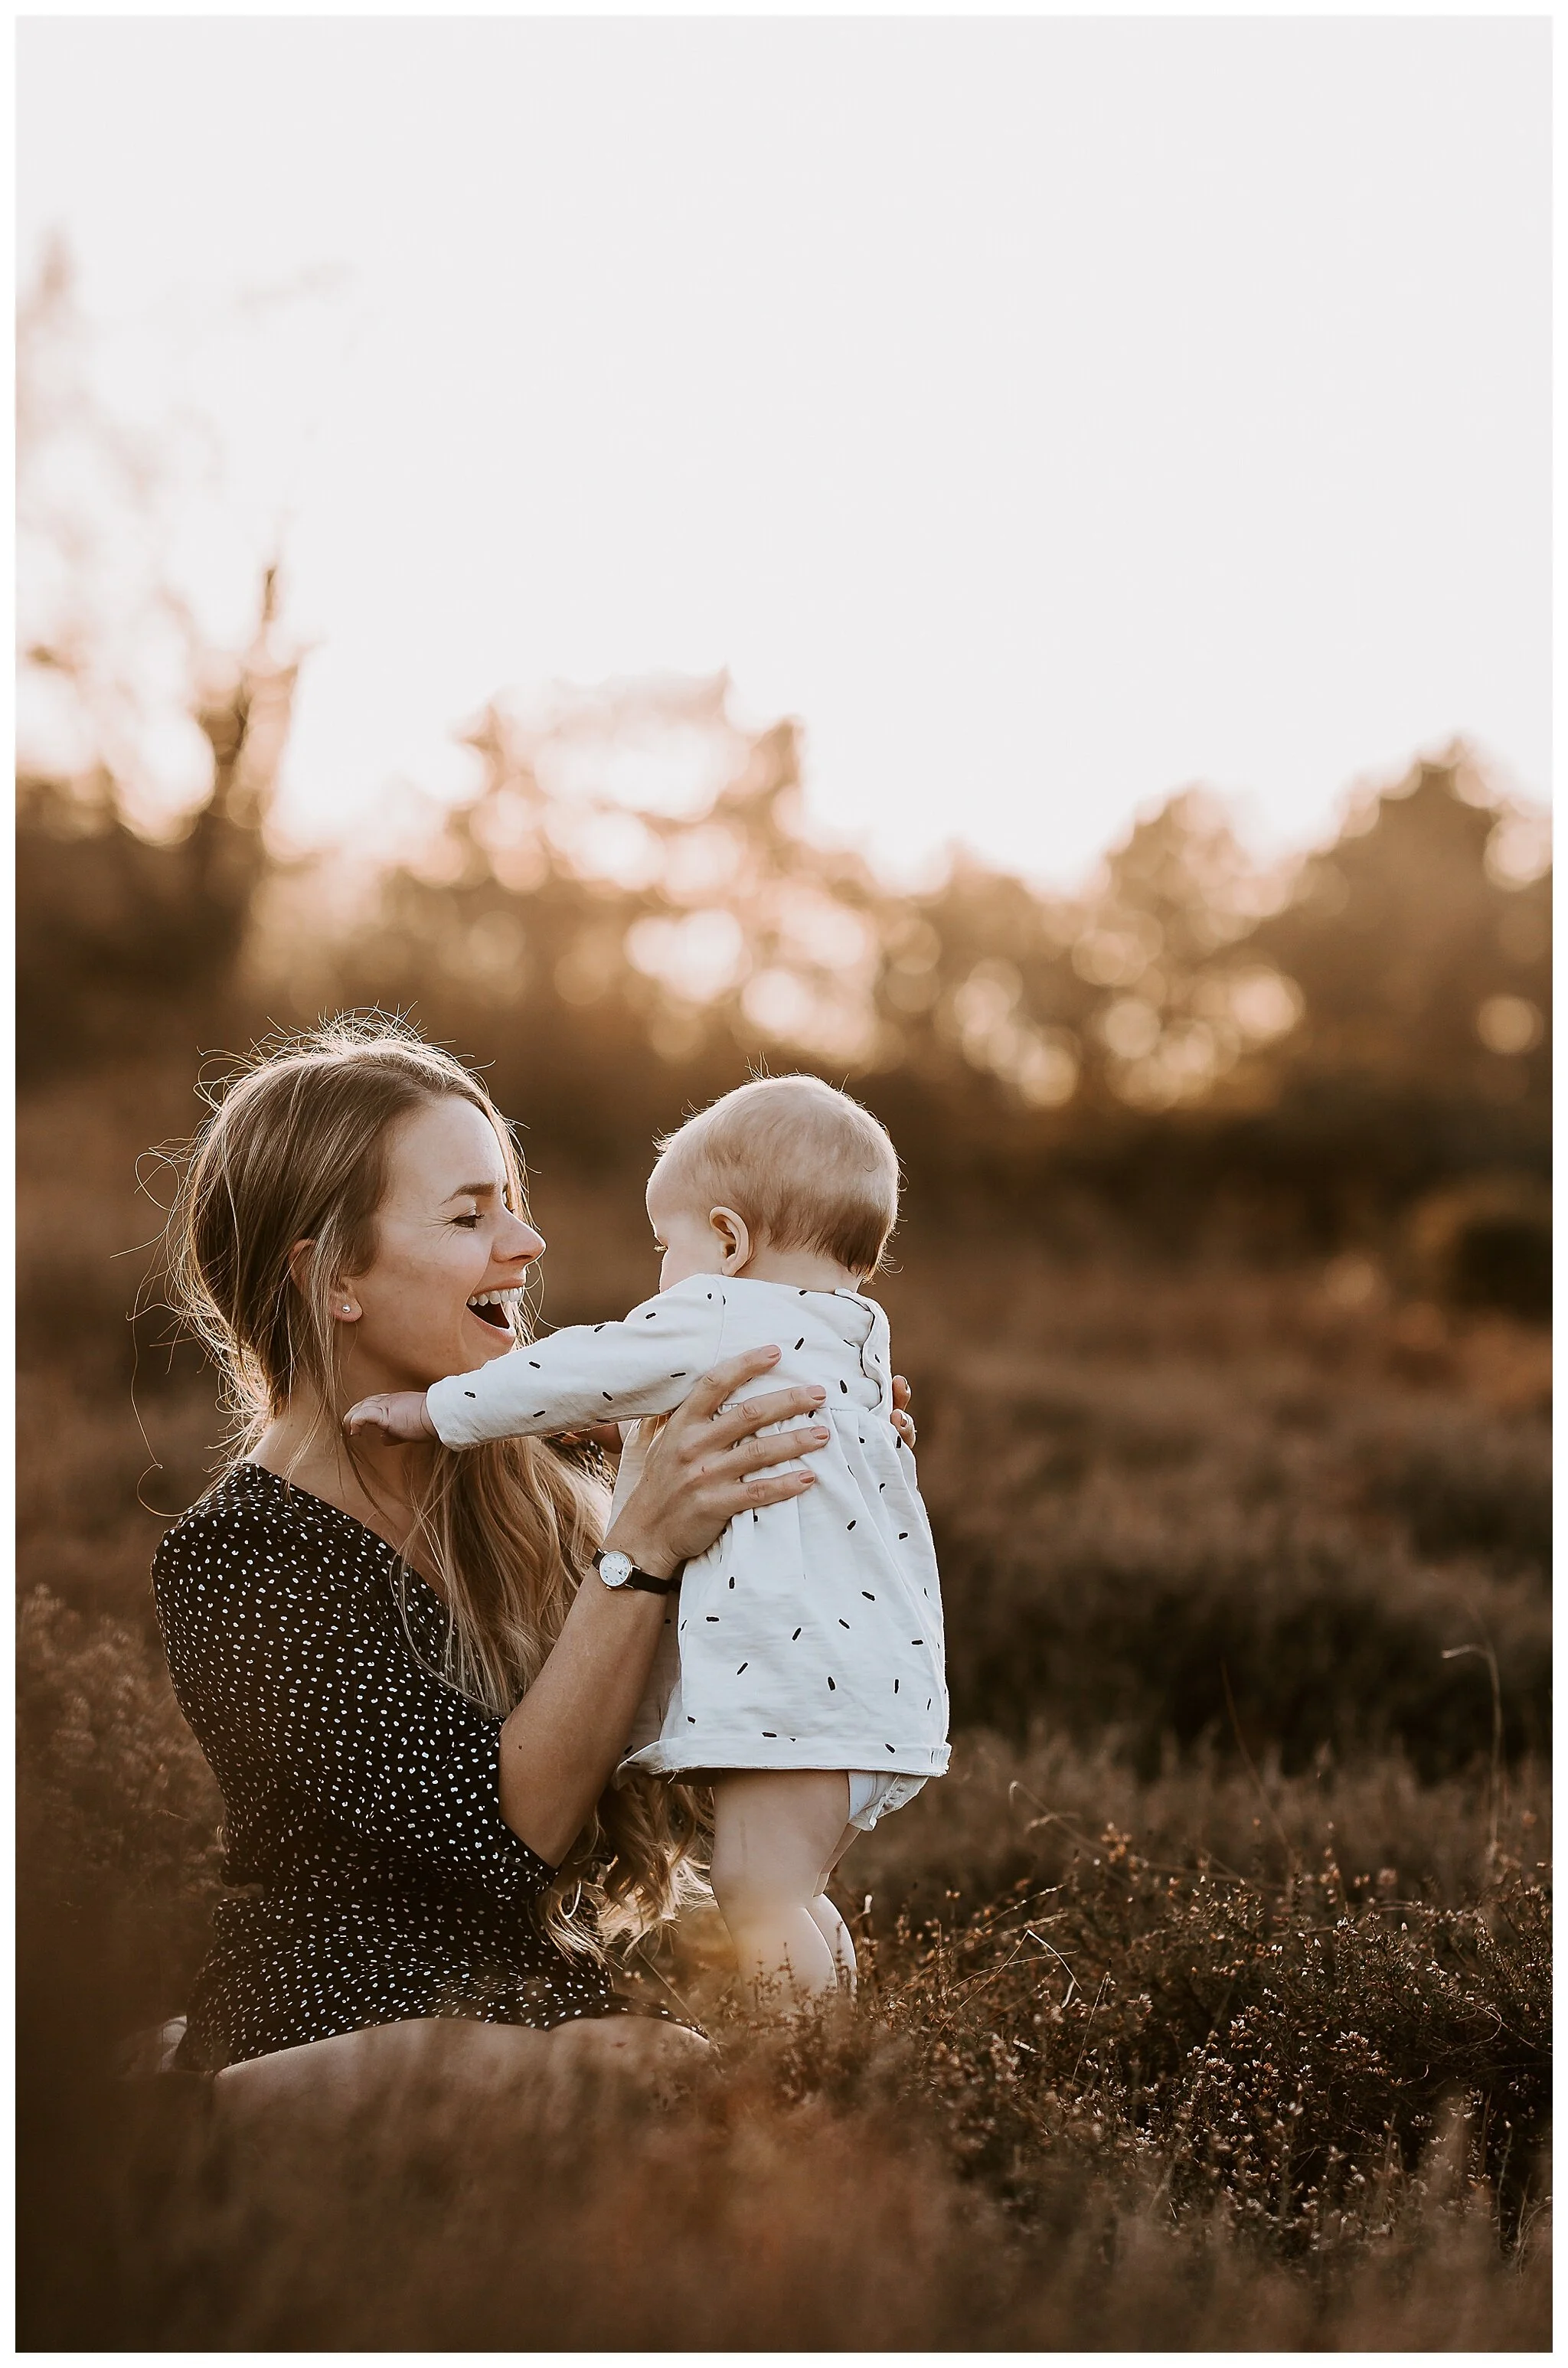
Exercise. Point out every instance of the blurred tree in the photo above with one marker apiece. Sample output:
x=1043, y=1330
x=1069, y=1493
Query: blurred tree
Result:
x=1421, y=949
x=631, y=912
x=126, y=944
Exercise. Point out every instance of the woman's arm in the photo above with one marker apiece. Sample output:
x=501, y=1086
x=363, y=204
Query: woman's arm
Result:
x=563, y=1741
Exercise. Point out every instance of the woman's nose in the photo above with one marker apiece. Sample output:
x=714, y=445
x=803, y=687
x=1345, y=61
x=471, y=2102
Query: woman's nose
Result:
x=518, y=1240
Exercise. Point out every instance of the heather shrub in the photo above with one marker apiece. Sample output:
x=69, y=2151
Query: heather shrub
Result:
x=1205, y=1998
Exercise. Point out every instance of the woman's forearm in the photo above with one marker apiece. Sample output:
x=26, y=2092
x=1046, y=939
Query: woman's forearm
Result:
x=705, y=1466
x=561, y=1744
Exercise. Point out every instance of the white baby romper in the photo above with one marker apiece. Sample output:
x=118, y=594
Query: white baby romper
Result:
x=810, y=1636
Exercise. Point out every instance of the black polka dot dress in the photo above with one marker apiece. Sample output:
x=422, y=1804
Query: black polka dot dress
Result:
x=362, y=1818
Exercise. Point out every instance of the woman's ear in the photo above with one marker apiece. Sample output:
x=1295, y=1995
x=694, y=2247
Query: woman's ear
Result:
x=343, y=1304
x=734, y=1240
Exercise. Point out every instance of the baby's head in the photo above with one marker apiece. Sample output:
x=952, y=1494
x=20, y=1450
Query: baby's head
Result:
x=785, y=1180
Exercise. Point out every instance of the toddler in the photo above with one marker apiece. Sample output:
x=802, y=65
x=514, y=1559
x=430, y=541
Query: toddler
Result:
x=800, y=1669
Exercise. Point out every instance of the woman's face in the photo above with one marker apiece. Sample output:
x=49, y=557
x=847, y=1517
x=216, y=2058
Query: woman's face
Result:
x=445, y=1238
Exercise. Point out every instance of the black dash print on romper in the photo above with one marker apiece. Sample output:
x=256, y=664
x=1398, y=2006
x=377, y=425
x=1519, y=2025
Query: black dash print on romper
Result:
x=831, y=1687
x=744, y=1667
x=917, y=1640
x=468, y=1393
x=904, y=1534
x=895, y=1685
x=770, y=1735
x=535, y=1363
x=679, y=1377
x=598, y=1328
x=843, y=1623
x=713, y=1619
x=649, y=1318
x=801, y=1341
x=536, y=1417
x=869, y=1595
x=851, y=1525
x=887, y=1747
x=608, y=1395
x=731, y=1582
x=792, y=1638
x=845, y=1387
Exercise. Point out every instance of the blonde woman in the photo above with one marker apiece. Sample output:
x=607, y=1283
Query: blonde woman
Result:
x=401, y=1662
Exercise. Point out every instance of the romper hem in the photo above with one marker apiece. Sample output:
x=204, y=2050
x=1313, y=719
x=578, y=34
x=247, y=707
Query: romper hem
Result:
x=738, y=1752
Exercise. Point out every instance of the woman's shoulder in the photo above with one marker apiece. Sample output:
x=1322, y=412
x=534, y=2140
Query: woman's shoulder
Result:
x=252, y=1521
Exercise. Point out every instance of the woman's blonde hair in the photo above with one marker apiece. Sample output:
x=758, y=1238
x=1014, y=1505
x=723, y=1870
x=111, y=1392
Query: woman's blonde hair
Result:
x=297, y=1150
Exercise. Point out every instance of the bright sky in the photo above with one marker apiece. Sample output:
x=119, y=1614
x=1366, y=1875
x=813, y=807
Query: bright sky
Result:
x=1050, y=413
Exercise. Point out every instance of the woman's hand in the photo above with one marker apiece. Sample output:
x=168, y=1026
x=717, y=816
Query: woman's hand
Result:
x=903, y=1422
x=705, y=1466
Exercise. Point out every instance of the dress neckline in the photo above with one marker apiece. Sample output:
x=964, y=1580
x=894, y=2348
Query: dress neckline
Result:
x=287, y=1488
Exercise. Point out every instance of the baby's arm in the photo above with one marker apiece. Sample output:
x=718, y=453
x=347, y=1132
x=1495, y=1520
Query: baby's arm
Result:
x=588, y=1374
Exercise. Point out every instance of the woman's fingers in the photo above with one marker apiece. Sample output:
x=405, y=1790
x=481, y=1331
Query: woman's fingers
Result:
x=778, y=1447
x=771, y=1488
x=708, y=1394
x=779, y=1406
x=901, y=1420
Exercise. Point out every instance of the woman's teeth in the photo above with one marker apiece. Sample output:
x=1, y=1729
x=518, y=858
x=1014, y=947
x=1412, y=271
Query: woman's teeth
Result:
x=505, y=1301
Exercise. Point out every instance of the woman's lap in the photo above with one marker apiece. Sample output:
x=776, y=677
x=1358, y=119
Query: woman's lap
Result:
x=454, y=2066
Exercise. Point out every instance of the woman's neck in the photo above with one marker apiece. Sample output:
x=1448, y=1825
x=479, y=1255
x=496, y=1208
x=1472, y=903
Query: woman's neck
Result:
x=377, y=1486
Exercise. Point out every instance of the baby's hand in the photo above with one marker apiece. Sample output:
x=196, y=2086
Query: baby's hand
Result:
x=396, y=1419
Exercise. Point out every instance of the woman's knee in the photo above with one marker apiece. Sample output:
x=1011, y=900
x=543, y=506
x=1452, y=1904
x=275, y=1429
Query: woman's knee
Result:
x=442, y=2057
x=633, y=2043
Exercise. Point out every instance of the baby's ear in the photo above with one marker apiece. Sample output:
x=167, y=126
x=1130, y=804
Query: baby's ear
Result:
x=734, y=1239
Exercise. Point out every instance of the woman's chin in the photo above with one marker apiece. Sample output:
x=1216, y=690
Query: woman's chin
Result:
x=494, y=1340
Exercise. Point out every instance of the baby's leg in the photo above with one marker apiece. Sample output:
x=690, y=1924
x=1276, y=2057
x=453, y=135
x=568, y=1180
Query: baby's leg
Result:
x=776, y=1834
x=836, y=1932
x=831, y=1924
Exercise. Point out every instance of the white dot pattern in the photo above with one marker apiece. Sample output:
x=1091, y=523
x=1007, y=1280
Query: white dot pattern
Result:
x=360, y=1792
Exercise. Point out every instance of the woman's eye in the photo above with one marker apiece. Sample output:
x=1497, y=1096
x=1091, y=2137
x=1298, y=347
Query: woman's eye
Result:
x=471, y=1220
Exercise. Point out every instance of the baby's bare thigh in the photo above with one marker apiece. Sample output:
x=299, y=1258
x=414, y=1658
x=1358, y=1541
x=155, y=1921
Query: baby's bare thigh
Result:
x=782, y=1825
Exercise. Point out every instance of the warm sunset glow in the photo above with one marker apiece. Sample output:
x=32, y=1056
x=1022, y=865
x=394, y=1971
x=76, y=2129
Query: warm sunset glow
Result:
x=1048, y=413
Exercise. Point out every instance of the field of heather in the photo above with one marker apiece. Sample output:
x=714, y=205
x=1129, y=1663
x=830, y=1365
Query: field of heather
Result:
x=1205, y=2001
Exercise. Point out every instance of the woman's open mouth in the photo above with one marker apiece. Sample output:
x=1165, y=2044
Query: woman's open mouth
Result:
x=495, y=1308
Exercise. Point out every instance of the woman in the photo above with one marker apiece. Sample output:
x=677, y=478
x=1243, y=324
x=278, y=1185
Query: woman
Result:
x=411, y=1683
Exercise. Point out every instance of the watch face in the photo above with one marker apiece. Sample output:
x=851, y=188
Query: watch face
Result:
x=615, y=1570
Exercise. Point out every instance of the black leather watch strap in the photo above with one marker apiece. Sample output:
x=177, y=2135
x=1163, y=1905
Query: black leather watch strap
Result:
x=644, y=1581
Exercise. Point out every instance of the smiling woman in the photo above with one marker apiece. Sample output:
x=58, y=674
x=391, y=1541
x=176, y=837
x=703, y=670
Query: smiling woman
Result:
x=410, y=1685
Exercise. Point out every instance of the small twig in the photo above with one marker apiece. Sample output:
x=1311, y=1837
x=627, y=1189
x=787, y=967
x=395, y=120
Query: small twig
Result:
x=1483, y=1652
x=1290, y=1857
x=1088, y=2019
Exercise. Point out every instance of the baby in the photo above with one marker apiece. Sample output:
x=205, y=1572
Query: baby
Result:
x=801, y=1671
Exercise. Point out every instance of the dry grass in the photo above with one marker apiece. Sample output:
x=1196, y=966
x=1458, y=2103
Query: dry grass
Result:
x=1193, y=2018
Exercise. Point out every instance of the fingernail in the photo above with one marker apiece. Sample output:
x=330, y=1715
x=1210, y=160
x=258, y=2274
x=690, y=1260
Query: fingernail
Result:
x=817, y=1397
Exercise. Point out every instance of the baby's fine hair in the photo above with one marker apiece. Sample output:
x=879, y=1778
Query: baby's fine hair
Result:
x=804, y=1164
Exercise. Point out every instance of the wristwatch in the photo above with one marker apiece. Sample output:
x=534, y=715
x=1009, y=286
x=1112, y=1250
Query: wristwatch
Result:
x=618, y=1570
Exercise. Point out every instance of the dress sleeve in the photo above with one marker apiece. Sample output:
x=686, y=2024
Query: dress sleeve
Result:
x=286, y=1663
x=589, y=1372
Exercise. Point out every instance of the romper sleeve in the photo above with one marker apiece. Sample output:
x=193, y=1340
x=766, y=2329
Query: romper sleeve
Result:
x=294, y=1665
x=589, y=1372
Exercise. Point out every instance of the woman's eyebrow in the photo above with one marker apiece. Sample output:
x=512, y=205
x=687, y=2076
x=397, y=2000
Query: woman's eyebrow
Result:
x=473, y=1191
